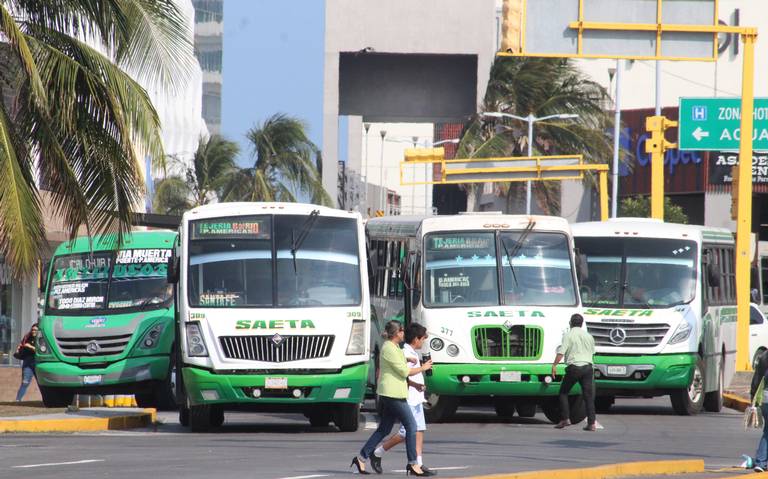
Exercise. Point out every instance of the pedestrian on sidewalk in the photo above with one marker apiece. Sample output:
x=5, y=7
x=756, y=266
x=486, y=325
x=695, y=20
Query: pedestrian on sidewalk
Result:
x=578, y=349
x=393, y=390
x=761, y=370
x=25, y=351
x=415, y=336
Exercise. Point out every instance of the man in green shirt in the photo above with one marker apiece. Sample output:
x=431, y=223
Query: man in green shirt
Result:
x=577, y=348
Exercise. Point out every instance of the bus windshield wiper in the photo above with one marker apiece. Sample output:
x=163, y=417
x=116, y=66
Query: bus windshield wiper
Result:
x=518, y=246
x=296, y=241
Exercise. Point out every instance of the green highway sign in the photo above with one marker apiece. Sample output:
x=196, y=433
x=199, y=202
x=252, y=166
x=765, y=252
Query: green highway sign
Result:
x=714, y=124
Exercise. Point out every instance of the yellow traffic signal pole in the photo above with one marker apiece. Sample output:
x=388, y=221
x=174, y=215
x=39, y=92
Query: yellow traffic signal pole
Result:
x=744, y=221
x=656, y=146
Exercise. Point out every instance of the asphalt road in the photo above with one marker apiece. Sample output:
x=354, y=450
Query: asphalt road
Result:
x=285, y=446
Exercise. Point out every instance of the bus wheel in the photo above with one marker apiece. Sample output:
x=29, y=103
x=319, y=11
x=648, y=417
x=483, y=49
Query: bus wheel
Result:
x=347, y=417
x=525, y=408
x=217, y=416
x=576, y=407
x=603, y=404
x=713, y=401
x=184, y=416
x=439, y=408
x=504, y=406
x=688, y=401
x=319, y=419
x=200, y=418
x=56, y=397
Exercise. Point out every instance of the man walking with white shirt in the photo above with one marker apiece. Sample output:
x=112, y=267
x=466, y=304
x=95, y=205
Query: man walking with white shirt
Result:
x=577, y=348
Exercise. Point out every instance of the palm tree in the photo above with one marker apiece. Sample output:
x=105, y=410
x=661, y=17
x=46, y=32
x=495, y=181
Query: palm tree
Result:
x=212, y=169
x=542, y=87
x=73, y=118
x=286, y=163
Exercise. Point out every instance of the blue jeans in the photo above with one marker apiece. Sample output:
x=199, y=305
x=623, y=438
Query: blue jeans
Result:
x=761, y=457
x=27, y=373
x=393, y=410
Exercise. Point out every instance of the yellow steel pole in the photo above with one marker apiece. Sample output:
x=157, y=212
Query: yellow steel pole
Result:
x=657, y=183
x=603, y=177
x=744, y=221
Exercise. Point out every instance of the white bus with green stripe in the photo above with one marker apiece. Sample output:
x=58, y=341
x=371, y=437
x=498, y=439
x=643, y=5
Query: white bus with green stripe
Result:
x=659, y=299
x=273, y=312
x=495, y=293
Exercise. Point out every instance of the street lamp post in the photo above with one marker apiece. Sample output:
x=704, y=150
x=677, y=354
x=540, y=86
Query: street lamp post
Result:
x=367, y=127
x=530, y=119
x=383, y=133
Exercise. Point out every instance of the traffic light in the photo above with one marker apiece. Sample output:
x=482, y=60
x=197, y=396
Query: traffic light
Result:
x=656, y=126
x=425, y=154
x=735, y=193
x=511, y=26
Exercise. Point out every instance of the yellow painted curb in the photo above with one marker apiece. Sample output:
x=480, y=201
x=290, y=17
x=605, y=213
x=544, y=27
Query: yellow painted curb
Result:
x=735, y=402
x=623, y=469
x=142, y=419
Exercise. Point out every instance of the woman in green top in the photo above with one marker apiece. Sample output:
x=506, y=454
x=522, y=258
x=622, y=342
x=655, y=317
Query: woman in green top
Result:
x=393, y=391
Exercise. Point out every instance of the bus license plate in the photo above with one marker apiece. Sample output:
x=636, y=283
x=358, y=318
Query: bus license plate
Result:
x=510, y=376
x=617, y=371
x=93, y=379
x=276, y=383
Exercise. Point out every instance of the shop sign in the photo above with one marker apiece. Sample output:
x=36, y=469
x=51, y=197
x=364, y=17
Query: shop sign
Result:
x=721, y=164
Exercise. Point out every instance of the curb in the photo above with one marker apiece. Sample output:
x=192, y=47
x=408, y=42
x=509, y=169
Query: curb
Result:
x=733, y=401
x=128, y=421
x=622, y=469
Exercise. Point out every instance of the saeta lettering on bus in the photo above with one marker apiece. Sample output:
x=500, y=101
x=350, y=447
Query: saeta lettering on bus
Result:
x=275, y=324
x=618, y=312
x=505, y=314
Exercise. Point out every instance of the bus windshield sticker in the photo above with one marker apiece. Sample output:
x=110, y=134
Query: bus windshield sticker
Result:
x=460, y=242
x=446, y=281
x=81, y=302
x=148, y=255
x=139, y=270
x=241, y=228
x=219, y=299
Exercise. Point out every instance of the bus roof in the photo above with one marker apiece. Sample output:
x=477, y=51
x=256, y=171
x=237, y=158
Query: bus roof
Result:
x=108, y=242
x=217, y=210
x=651, y=228
x=408, y=226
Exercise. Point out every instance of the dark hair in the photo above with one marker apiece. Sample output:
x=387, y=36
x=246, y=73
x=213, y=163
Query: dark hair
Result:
x=391, y=329
x=577, y=320
x=29, y=337
x=414, y=331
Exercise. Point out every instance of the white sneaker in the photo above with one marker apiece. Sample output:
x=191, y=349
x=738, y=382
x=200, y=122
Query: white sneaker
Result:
x=758, y=469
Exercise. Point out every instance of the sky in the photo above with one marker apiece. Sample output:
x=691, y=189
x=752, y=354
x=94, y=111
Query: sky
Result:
x=273, y=63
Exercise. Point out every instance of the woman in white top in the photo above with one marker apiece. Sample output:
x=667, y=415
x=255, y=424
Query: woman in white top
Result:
x=415, y=336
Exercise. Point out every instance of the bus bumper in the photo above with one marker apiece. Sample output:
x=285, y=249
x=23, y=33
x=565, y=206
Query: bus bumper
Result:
x=206, y=387
x=643, y=375
x=121, y=377
x=487, y=380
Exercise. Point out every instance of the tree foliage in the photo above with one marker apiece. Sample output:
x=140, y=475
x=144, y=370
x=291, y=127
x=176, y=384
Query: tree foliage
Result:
x=640, y=207
x=76, y=121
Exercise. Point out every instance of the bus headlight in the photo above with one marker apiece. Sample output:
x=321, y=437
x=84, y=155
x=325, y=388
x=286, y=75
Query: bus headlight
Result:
x=151, y=337
x=436, y=344
x=356, y=343
x=452, y=350
x=195, y=342
x=41, y=344
x=681, y=333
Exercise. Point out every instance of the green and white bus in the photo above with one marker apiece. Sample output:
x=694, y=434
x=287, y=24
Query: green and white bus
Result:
x=273, y=312
x=660, y=301
x=107, y=326
x=494, y=324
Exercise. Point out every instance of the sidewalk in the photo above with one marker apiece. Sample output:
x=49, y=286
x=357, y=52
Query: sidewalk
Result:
x=36, y=419
x=736, y=395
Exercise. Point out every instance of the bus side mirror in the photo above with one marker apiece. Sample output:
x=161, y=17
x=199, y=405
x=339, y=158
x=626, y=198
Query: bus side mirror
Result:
x=173, y=269
x=713, y=276
x=582, y=267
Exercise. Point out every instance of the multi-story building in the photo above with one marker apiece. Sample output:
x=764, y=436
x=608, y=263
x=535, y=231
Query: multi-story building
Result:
x=209, y=47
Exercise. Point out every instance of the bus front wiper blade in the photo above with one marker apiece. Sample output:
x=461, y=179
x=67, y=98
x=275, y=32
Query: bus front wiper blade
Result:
x=296, y=241
x=518, y=246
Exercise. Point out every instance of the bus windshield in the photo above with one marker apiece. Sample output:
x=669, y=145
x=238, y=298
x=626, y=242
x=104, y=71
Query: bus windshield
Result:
x=638, y=272
x=281, y=261
x=462, y=269
x=89, y=282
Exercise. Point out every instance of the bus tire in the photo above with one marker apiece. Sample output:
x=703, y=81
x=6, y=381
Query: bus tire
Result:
x=184, y=416
x=576, y=406
x=689, y=401
x=319, y=419
x=505, y=407
x=440, y=407
x=200, y=419
x=56, y=397
x=603, y=404
x=348, y=417
x=163, y=396
x=525, y=408
x=217, y=416
x=713, y=401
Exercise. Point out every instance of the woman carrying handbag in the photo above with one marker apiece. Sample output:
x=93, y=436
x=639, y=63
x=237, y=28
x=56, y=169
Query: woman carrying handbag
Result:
x=26, y=353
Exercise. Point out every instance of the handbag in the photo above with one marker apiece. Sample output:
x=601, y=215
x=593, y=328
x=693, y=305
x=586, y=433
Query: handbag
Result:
x=753, y=416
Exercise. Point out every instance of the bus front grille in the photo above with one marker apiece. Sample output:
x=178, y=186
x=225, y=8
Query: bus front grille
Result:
x=517, y=342
x=276, y=348
x=93, y=345
x=627, y=335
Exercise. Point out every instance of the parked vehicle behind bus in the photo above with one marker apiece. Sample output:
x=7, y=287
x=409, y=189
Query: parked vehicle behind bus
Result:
x=494, y=291
x=660, y=301
x=273, y=312
x=107, y=326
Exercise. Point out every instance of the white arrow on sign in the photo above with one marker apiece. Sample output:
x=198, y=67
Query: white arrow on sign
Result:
x=698, y=133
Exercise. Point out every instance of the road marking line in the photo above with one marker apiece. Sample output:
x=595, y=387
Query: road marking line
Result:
x=84, y=461
x=306, y=477
x=370, y=422
x=446, y=468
